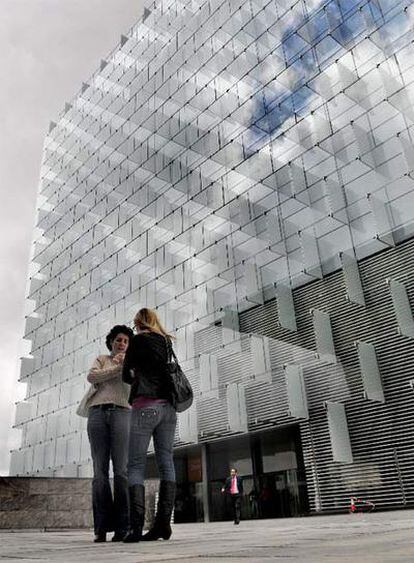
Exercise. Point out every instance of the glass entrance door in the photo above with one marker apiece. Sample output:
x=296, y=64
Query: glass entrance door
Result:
x=281, y=475
x=189, y=497
x=271, y=467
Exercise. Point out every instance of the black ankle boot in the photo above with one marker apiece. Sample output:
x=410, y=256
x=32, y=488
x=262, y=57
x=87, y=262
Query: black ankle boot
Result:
x=100, y=537
x=136, y=513
x=162, y=527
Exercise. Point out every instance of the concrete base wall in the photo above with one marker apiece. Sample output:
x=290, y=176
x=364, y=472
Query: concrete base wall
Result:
x=37, y=502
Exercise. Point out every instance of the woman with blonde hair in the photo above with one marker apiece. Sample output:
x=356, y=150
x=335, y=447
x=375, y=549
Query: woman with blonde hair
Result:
x=152, y=416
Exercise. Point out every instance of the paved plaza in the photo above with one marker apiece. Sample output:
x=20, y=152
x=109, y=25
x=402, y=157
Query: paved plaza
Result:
x=376, y=537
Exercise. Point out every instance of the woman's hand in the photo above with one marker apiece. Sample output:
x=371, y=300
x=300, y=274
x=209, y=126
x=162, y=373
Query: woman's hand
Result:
x=118, y=359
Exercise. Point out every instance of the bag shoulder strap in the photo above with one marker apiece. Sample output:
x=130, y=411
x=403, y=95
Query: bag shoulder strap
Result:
x=170, y=350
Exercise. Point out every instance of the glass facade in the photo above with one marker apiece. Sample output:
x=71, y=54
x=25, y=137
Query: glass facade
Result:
x=226, y=155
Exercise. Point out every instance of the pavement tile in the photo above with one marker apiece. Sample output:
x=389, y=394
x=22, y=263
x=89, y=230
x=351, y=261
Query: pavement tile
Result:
x=369, y=538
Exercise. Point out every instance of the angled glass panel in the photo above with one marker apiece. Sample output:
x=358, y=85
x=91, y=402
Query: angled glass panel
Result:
x=296, y=391
x=371, y=376
x=285, y=306
x=187, y=425
x=339, y=433
x=402, y=307
x=323, y=336
x=354, y=289
x=236, y=408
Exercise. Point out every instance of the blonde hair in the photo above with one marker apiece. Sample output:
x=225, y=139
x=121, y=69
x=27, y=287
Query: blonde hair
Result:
x=147, y=320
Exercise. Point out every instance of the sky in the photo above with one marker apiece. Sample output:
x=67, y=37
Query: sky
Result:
x=47, y=49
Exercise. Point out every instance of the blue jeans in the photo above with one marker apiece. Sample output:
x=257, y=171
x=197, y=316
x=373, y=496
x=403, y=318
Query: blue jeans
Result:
x=158, y=421
x=108, y=432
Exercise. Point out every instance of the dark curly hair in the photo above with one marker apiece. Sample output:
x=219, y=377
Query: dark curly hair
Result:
x=117, y=329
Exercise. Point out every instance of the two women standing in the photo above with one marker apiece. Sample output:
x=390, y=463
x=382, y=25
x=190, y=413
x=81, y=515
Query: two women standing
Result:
x=123, y=434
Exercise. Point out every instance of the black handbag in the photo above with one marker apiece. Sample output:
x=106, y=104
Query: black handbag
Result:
x=180, y=390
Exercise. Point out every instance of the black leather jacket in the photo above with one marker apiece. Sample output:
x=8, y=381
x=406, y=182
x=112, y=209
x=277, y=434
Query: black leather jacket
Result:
x=144, y=366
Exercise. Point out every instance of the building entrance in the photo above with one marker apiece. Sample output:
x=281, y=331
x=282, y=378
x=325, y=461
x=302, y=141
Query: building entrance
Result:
x=189, y=495
x=271, y=466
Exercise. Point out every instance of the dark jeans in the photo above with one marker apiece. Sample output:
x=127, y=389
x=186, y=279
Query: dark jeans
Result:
x=108, y=432
x=236, y=505
x=158, y=421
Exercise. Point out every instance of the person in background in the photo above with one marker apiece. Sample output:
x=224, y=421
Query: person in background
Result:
x=108, y=432
x=152, y=416
x=234, y=487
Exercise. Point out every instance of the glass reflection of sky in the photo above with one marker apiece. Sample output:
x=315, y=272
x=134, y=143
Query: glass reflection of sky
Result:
x=330, y=29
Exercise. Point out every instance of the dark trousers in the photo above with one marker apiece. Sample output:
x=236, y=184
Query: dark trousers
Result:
x=236, y=505
x=108, y=432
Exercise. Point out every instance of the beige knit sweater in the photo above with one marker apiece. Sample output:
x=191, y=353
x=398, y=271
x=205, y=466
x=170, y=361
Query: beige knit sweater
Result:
x=106, y=376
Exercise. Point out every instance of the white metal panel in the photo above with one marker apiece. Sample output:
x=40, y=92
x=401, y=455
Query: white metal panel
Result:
x=408, y=151
x=354, y=289
x=17, y=462
x=371, y=376
x=24, y=412
x=61, y=451
x=366, y=145
x=259, y=349
x=73, y=448
x=339, y=433
x=382, y=218
x=296, y=391
x=285, y=306
x=236, y=408
x=402, y=307
x=85, y=471
x=38, y=457
x=230, y=326
x=336, y=198
x=208, y=376
x=85, y=452
x=310, y=254
x=28, y=460
x=323, y=336
x=187, y=425
x=254, y=291
x=273, y=231
x=26, y=368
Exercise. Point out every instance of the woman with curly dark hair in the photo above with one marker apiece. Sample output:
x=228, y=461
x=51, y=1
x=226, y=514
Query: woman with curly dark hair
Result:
x=108, y=431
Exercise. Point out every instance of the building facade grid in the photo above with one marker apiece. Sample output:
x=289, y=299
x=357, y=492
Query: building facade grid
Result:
x=226, y=159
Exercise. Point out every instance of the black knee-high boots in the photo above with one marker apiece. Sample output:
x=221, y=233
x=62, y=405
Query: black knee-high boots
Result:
x=162, y=526
x=136, y=513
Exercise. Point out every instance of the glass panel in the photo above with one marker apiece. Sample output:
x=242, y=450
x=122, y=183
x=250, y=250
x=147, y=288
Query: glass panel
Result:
x=339, y=434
